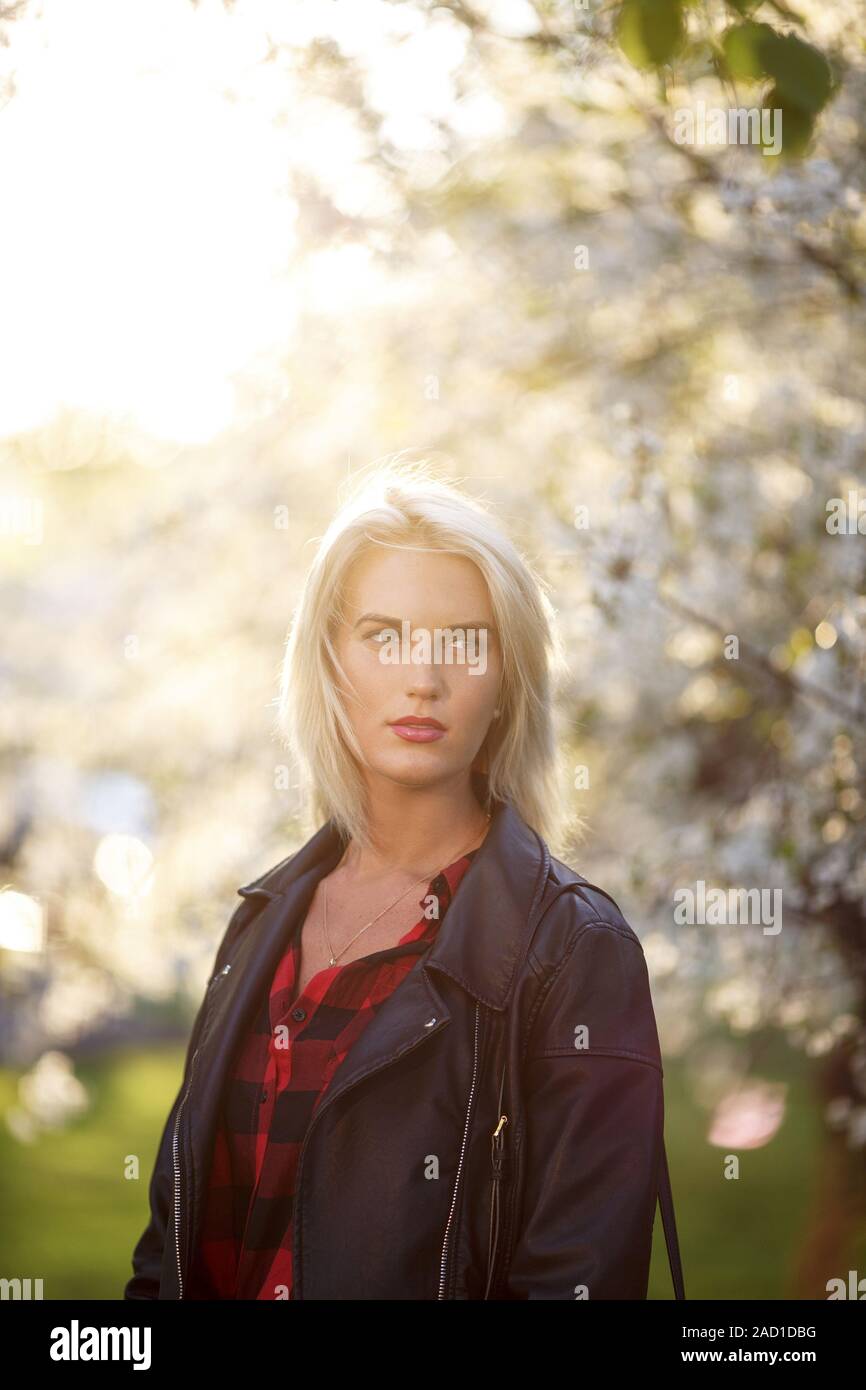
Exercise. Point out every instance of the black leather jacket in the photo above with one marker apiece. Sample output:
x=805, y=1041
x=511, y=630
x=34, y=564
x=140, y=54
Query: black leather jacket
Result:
x=395, y=1195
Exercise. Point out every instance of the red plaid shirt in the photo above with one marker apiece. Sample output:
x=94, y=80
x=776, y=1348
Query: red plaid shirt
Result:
x=270, y=1095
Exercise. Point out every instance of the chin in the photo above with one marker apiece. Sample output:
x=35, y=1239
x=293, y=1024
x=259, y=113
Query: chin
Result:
x=413, y=771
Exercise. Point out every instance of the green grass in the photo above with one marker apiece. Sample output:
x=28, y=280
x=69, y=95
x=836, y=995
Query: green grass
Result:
x=71, y=1216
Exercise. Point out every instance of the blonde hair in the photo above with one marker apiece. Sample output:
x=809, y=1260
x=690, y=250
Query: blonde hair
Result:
x=407, y=505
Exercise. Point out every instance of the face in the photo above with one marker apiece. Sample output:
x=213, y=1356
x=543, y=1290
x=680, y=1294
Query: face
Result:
x=431, y=591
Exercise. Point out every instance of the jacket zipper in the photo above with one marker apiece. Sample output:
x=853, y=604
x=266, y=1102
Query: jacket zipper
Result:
x=175, y=1150
x=495, y=1257
x=444, y=1257
x=497, y=1148
x=503, y=1255
x=176, y=1165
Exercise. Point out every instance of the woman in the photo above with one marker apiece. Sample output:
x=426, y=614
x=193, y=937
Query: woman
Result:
x=426, y=1065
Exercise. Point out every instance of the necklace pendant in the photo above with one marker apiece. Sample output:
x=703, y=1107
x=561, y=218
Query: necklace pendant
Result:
x=332, y=961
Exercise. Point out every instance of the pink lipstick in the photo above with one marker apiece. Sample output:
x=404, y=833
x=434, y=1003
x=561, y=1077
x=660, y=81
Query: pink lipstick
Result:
x=414, y=729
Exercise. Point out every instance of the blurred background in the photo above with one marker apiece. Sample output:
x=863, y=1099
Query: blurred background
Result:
x=247, y=248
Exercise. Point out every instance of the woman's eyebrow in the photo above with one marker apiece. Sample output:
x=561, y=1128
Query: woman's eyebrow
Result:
x=397, y=622
x=377, y=618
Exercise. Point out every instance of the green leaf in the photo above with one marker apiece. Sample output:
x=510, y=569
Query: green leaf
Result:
x=798, y=126
x=650, y=32
x=802, y=74
x=742, y=48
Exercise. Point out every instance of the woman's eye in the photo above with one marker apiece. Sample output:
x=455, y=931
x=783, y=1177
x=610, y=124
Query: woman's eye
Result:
x=380, y=635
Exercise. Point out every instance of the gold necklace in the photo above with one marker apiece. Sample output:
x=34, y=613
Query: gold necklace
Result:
x=332, y=959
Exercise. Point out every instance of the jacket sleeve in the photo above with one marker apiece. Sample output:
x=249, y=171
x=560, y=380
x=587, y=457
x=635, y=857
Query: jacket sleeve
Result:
x=594, y=1126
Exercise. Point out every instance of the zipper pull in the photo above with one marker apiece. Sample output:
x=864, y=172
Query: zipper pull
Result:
x=498, y=1147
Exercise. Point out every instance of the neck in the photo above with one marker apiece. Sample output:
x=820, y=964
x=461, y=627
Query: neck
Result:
x=415, y=831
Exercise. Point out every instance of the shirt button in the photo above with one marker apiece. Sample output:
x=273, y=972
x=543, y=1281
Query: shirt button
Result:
x=299, y=1014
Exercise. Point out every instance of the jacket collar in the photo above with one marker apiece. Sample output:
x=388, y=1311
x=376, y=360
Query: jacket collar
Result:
x=481, y=940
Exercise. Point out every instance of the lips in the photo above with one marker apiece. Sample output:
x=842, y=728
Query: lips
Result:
x=419, y=721
x=415, y=729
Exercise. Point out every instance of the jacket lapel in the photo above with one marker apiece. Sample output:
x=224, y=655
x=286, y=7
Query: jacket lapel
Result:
x=482, y=938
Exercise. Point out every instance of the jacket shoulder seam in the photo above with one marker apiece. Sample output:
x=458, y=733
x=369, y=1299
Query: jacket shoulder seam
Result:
x=625, y=931
x=621, y=929
x=580, y=886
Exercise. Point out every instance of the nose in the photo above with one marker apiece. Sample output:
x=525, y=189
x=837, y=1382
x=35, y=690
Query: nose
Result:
x=424, y=680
